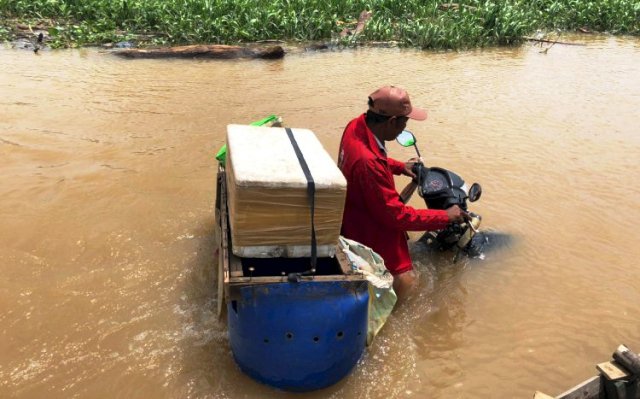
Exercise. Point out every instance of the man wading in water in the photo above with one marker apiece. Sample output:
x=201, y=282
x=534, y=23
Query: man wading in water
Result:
x=374, y=215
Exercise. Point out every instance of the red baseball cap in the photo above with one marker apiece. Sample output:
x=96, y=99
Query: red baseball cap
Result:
x=394, y=101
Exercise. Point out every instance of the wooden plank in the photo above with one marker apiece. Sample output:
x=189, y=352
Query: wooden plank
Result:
x=221, y=284
x=612, y=371
x=589, y=389
x=220, y=232
x=233, y=264
x=540, y=395
x=281, y=279
x=224, y=227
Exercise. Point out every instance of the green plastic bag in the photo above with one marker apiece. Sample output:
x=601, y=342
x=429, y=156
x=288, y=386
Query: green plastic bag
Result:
x=221, y=155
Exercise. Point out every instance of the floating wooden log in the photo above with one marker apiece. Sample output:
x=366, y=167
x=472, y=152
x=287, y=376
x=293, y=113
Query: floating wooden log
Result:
x=215, y=51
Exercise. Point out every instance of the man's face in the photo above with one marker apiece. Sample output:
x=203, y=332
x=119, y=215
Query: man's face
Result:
x=394, y=126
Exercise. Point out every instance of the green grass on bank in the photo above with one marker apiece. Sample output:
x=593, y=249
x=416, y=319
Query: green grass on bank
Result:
x=418, y=23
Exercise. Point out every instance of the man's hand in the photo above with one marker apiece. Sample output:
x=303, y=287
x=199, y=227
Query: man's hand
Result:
x=456, y=215
x=409, y=165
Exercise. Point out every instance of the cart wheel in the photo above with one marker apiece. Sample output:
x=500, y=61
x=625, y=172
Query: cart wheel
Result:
x=220, y=284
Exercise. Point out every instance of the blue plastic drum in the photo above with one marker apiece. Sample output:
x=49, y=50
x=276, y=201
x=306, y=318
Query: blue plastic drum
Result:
x=299, y=336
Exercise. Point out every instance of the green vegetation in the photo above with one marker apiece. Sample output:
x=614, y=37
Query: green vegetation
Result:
x=419, y=23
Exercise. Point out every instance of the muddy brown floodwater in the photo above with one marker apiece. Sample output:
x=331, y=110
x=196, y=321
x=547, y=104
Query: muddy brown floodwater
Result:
x=106, y=217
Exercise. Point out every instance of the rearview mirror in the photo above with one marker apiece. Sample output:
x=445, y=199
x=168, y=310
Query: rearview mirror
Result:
x=406, y=138
x=475, y=192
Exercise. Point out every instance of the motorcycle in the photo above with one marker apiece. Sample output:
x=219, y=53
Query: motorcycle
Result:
x=441, y=188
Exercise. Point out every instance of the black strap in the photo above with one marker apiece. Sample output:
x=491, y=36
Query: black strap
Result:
x=311, y=191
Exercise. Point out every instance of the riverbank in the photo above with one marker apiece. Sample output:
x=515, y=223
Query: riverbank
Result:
x=412, y=23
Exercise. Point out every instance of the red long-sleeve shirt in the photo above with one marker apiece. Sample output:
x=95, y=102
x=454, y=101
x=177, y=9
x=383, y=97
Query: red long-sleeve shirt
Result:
x=373, y=213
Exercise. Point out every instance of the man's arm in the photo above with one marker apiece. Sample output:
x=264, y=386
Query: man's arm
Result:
x=383, y=201
x=402, y=168
x=396, y=167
